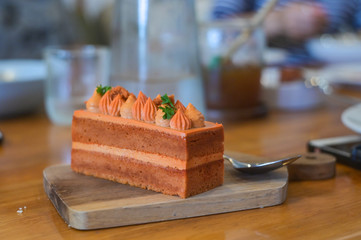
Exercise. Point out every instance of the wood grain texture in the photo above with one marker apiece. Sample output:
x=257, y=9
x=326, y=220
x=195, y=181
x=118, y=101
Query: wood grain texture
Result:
x=86, y=202
x=325, y=209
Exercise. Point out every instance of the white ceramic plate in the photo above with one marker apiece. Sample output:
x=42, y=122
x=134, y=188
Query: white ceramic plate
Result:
x=348, y=73
x=274, y=56
x=351, y=117
x=21, y=86
x=335, y=49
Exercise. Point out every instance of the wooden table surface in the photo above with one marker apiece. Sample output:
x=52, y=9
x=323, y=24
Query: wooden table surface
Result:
x=326, y=209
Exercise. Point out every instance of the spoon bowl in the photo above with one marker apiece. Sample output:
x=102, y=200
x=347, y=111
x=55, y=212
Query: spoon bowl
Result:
x=257, y=168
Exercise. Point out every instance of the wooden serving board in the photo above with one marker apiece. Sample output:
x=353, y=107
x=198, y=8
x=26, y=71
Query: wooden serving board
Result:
x=86, y=202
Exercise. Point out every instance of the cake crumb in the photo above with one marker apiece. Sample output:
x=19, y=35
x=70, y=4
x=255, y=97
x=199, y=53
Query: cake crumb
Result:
x=20, y=211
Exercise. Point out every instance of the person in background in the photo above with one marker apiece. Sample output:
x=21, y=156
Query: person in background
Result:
x=293, y=22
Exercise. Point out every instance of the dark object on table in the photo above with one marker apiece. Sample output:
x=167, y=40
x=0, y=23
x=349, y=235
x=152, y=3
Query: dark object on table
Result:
x=312, y=166
x=1, y=137
x=346, y=149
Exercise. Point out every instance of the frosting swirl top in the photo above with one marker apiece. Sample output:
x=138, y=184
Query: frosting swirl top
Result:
x=149, y=110
x=105, y=102
x=107, y=99
x=195, y=116
x=114, y=107
x=179, y=105
x=142, y=97
x=93, y=103
x=126, y=108
x=180, y=121
x=161, y=111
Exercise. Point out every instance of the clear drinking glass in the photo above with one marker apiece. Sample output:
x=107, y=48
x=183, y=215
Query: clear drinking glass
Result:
x=155, y=49
x=233, y=89
x=73, y=74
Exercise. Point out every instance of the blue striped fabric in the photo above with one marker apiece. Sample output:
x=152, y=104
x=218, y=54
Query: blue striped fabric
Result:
x=228, y=8
x=341, y=13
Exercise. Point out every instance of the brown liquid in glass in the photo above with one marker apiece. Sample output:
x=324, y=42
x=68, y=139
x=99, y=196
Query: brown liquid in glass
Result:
x=231, y=87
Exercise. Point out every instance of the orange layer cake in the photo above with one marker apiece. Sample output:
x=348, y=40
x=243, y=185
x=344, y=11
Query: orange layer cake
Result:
x=144, y=154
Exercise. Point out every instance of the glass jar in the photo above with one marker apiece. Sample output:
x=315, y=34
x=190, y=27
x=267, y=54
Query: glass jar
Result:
x=233, y=88
x=155, y=49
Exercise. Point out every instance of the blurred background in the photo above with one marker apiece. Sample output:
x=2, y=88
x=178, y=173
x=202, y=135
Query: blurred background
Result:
x=305, y=50
x=26, y=27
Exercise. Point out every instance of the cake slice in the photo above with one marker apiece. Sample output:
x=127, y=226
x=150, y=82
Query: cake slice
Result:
x=144, y=154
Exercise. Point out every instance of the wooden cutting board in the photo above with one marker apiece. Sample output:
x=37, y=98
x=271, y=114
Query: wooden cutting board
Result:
x=86, y=202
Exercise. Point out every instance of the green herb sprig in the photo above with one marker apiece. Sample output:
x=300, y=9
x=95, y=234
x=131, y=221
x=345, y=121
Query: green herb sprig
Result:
x=102, y=90
x=168, y=109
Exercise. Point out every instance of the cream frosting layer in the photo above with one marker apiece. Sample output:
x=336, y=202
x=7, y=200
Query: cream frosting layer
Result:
x=132, y=122
x=155, y=159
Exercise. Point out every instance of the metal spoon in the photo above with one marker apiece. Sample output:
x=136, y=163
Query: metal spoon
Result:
x=255, y=168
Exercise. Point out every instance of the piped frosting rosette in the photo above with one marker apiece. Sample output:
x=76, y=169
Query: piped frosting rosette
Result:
x=161, y=111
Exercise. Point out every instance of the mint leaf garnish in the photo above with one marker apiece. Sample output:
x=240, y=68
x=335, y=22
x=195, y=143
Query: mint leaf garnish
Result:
x=168, y=109
x=102, y=90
